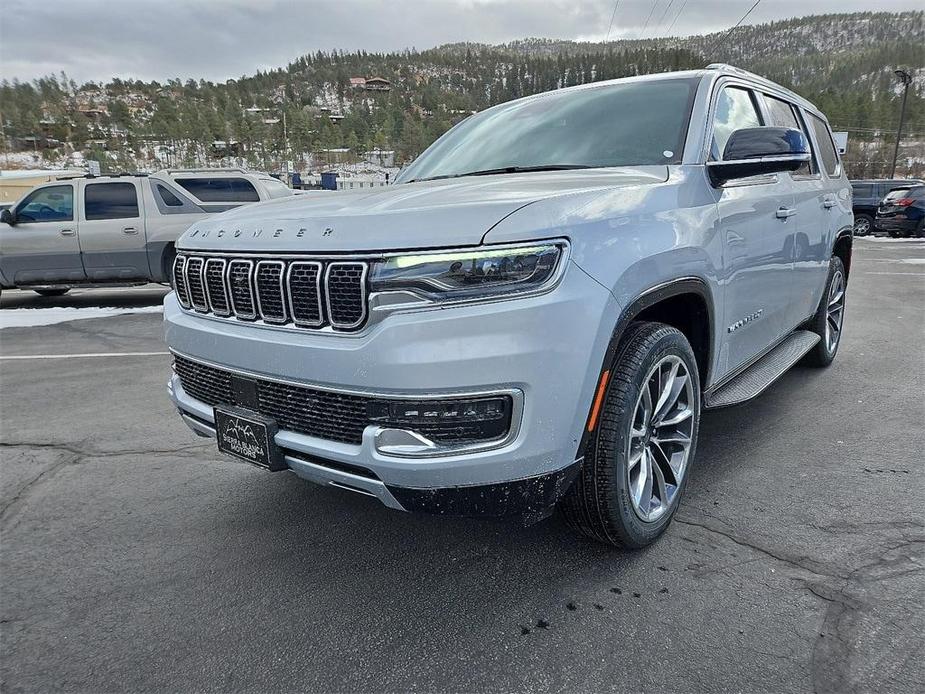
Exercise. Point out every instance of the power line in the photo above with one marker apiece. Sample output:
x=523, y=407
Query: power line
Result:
x=723, y=38
x=671, y=26
x=612, y=15
x=651, y=12
x=662, y=18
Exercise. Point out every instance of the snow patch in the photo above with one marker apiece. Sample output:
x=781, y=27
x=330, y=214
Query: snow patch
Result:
x=32, y=317
x=913, y=261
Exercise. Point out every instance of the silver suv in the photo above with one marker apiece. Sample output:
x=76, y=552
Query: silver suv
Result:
x=537, y=313
x=115, y=230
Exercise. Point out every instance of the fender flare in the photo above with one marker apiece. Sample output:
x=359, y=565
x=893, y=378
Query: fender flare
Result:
x=647, y=299
x=844, y=233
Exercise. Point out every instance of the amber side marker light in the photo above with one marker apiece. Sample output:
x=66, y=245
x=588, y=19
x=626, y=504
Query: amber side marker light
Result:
x=598, y=400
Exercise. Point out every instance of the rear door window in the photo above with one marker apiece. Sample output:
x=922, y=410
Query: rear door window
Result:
x=110, y=201
x=783, y=115
x=863, y=190
x=220, y=189
x=827, y=150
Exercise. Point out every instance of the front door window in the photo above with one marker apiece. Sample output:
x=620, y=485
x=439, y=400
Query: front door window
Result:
x=51, y=204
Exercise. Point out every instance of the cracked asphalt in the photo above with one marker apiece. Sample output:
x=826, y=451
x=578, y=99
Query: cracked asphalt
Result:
x=135, y=558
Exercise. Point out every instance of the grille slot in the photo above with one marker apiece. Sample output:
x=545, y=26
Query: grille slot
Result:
x=215, y=286
x=241, y=289
x=305, y=292
x=197, y=293
x=271, y=305
x=179, y=280
x=304, y=284
x=346, y=296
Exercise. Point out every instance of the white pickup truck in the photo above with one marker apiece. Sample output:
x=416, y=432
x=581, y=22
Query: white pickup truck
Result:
x=106, y=230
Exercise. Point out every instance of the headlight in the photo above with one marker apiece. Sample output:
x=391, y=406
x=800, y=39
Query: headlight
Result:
x=482, y=273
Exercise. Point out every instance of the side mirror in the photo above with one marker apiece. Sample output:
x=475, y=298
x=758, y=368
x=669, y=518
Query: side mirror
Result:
x=756, y=151
x=7, y=216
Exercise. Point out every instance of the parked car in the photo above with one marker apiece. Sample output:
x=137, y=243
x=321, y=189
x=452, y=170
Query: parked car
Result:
x=104, y=230
x=902, y=212
x=866, y=197
x=537, y=313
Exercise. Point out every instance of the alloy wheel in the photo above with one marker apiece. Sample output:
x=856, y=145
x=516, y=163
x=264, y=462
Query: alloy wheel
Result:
x=861, y=227
x=660, y=438
x=835, y=311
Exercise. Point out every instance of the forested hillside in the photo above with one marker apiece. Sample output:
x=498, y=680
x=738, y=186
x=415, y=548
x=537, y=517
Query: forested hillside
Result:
x=324, y=107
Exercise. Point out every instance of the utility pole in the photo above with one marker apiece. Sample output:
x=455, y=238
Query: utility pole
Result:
x=906, y=80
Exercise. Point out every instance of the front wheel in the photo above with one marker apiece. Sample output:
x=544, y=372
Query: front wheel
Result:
x=636, y=463
x=51, y=292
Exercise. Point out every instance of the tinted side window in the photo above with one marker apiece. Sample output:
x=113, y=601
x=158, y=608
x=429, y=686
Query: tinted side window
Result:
x=110, y=201
x=863, y=190
x=169, y=198
x=826, y=146
x=781, y=114
x=735, y=109
x=52, y=204
x=220, y=189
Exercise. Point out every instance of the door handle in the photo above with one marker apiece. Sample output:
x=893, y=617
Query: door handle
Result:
x=67, y=232
x=129, y=230
x=785, y=212
x=829, y=202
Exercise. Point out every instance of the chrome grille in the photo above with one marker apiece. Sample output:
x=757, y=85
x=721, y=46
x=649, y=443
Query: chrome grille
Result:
x=304, y=282
x=346, y=300
x=215, y=286
x=241, y=289
x=197, y=292
x=179, y=280
x=307, y=293
x=271, y=303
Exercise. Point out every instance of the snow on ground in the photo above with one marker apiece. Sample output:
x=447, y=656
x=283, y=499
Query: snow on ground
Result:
x=31, y=317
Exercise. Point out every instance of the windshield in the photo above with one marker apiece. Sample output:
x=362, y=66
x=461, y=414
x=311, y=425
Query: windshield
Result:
x=629, y=124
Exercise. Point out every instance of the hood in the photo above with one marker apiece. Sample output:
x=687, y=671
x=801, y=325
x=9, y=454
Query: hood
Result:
x=428, y=214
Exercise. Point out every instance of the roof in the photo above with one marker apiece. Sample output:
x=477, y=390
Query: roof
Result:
x=36, y=173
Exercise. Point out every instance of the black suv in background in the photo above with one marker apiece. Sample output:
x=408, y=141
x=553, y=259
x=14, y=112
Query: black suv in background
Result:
x=902, y=212
x=867, y=195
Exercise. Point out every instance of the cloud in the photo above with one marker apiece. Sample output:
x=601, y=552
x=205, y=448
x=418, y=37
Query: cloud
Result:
x=220, y=39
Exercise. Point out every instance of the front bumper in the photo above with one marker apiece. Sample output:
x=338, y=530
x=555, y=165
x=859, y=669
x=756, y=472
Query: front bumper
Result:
x=547, y=348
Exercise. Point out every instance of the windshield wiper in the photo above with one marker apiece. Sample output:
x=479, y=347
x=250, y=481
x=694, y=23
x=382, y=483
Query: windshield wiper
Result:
x=507, y=170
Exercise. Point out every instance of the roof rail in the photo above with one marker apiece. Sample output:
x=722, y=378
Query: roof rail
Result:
x=67, y=177
x=232, y=169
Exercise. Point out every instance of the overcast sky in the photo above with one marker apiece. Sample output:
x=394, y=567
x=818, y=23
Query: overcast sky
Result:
x=219, y=39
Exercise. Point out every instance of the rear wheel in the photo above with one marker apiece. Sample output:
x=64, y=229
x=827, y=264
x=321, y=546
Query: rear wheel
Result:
x=829, y=318
x=51, y=292
x=863, y=224
x=636, y=464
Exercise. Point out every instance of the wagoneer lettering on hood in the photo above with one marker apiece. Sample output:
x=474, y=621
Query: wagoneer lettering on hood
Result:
x=455, y=212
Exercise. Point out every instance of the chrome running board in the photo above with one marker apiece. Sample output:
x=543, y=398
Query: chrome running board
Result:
x=757, y=377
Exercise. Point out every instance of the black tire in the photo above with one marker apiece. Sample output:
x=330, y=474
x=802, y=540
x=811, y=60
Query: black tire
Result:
x=598, y=503
x=822, y=354
x=920, y=229
x=51, y=292
x=893, y=234
x=863, y=225
x=170, y=254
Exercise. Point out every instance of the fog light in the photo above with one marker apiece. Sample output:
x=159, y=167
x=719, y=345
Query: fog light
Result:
x=451, y=421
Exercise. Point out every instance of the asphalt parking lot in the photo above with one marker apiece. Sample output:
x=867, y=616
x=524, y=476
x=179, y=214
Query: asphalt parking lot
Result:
x=135, y=557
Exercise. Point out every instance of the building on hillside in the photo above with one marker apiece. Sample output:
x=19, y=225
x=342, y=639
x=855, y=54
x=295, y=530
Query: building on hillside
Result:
x=380, y=157
x=332, y=155
x=378, y=84
x=357, y=82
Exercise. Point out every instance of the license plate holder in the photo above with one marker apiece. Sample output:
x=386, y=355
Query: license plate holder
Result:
x=248, y=436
